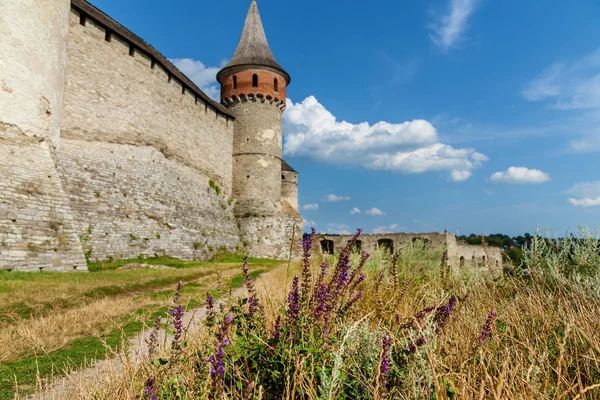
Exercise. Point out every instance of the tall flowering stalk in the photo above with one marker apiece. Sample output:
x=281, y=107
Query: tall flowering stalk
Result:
x=486, y=330
x=253, y=303
x=176, y=314
x=150, y=388
x=217, y=369
x=443, y=314
x=153, y=338
x=177, y=294
x=177, y=319
x=294, y=302
x=384, y=366
x=307, y=244
x=395, y=271
x=211, y=314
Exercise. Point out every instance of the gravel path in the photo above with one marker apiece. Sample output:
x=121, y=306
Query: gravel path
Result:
x=65, y=387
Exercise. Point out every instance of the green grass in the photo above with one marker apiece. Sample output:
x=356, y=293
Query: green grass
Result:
x=225, y=258
x=75, y=355
x=102, y=282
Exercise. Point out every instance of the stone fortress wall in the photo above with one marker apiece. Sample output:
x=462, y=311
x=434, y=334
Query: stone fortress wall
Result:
x=37, y=228
x=460, y=256
x=108, y=151
x=138, y=153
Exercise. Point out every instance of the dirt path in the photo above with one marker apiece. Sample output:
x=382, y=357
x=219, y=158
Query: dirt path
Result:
x=66, y=387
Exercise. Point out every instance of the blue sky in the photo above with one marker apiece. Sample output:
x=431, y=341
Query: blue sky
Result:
x=474, y=115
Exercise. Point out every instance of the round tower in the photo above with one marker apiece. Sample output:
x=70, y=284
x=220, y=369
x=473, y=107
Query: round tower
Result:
x=253, y=87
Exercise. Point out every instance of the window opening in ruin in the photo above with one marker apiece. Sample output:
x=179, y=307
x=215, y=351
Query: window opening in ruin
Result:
x=357, y=246
x=82, y=19
x=386, y=245
x=275, y=85
x=254, y=80
x=327, y=246
x=108, y=36
x=131, y=50
x=283, y=177
x=235, y=82
x=462, y=261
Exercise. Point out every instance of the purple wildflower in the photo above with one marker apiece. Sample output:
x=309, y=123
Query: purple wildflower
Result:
x=486, y=330
x=211, y=314
x=217, y=369
x=294, y=301
x=277, y=328
x=321, y=297
x=177, y=294
x=253, y=303
x=395, y=270
x=307, y=244
x=177, y=318
x=412, y=346
x=443, y=313
x=384, y=366
x=386, y=343
x=150, y=388
x=153, y=339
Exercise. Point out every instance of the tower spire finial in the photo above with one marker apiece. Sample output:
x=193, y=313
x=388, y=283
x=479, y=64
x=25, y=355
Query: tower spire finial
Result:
x=253, y=48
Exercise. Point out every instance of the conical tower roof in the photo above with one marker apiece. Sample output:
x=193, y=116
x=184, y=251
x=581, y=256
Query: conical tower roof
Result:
x=253, y=49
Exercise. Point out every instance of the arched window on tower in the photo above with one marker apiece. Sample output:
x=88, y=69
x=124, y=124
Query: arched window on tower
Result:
x=275, y=85
x=235, y=82
x=254, y=80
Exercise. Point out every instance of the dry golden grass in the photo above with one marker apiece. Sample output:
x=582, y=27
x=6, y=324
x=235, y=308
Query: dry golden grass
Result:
x=545, y=342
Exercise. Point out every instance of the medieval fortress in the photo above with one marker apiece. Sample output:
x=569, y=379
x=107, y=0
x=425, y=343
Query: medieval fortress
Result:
x=108, y=151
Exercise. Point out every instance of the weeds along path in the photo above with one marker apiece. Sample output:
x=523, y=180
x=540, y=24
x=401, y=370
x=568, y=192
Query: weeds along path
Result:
x=53, y=322
x=76, y=383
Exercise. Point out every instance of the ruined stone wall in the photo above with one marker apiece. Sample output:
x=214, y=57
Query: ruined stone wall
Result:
x=371, y=242
x=36, y=222
x=460, y=256
x=479, y=258
x=117, y=94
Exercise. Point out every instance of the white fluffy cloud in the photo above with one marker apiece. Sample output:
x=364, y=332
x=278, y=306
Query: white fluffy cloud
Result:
x=587, y=194
x=339, y=229
x=310, y=207
x=308, y=224
x=385, y=229
x=568, y=85
x=585, y=202
x=459, y=176
x=335, y=198
x=355, y=210
x=310, y=130
x=204, y=77
x=374, y=211
x=520, y=175
x=449, y=27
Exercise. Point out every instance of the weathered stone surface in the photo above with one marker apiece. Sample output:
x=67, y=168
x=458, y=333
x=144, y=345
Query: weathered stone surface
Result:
x=131, y=200
x=36, y=223
x=459, y=255
x=106, y=154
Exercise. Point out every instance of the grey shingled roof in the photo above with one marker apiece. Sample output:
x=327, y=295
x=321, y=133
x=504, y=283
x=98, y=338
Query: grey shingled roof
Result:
x=286, y=167
x=253, y=49
x=116, y=28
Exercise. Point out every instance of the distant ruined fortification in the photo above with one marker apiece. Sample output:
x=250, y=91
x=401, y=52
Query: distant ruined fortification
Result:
x=458, y=256
x=108, y=151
